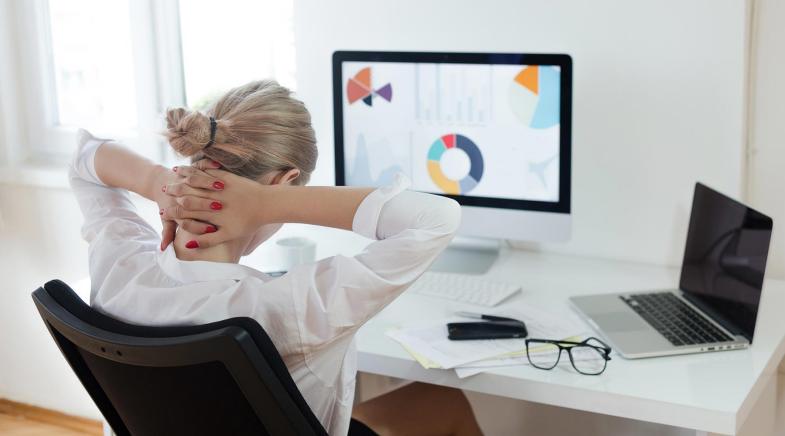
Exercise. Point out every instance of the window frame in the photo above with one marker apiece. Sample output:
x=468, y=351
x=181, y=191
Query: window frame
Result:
x=30, y=138
x=34, y=136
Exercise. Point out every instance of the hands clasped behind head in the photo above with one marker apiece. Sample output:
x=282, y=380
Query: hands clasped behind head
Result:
x=212, y=204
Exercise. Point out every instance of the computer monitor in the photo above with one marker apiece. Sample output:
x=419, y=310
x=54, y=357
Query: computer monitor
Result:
x=490, y=130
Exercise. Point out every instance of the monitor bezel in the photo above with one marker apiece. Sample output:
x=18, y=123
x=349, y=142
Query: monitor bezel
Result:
x=563, y=61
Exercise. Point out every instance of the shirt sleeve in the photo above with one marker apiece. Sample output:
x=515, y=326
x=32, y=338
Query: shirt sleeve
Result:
x=112, y=227
x=335, y=296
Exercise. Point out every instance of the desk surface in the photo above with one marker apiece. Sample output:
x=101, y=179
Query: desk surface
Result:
x=711, y=392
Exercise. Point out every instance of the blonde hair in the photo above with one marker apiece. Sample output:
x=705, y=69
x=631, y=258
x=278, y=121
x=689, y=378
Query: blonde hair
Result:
x=260, y=128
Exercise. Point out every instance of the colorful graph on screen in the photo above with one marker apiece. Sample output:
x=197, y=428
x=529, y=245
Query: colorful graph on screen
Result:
x=534, y=96
x=476, y=165
x=360, y=174
x=360, y=87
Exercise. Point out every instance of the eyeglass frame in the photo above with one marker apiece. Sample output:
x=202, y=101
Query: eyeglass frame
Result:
x=604, y=351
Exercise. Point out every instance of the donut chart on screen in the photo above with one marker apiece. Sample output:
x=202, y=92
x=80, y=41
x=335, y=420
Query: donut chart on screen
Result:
x=460, y=142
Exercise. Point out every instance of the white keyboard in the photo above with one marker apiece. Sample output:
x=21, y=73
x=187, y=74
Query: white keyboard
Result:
x=463, y=288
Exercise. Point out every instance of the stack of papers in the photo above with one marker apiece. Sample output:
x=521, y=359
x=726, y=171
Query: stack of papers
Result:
x=428, y=343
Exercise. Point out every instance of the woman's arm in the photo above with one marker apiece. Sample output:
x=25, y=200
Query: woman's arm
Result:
x=119, y=167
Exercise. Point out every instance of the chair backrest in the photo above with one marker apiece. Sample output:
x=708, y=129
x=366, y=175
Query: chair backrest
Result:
x=222, y=378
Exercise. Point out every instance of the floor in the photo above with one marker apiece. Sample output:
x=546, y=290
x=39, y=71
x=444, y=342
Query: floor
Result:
x=19, y=426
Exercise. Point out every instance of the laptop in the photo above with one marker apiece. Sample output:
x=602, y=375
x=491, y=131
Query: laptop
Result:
x=716, y=305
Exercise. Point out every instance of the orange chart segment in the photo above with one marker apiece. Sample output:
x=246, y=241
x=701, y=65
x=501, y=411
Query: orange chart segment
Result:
x=528, y=78
x=364, y=77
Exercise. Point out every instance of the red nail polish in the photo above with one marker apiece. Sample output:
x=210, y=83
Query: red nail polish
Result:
x=163, y=188
x=216, y=164
x=174, y=169
x=210, y=229
x=216, y=205
x=191, y=244
x=218, y=185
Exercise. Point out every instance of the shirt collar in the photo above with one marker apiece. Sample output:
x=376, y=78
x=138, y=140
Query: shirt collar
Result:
x=188, y=271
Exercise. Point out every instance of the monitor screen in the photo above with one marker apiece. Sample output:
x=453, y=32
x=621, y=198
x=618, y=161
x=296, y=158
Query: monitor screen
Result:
x=486, y=129
x=725, y=257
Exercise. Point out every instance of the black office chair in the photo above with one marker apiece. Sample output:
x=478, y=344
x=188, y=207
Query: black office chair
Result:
x=222, y=378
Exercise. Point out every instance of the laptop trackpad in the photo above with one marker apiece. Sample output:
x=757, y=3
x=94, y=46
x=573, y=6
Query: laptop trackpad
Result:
x=621, y=322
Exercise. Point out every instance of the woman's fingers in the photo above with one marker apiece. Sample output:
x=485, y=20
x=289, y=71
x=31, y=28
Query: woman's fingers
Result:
x=191, y=203
x=178, y=212
x=207, y=240
x=180, y=189
x=167, y=234
x=197, y=227
x=196, y=178
x=206, y=164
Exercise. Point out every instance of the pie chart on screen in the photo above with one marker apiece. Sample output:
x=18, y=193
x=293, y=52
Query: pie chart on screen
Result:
x=455, y=143
x=360, y=88
x=534, y=96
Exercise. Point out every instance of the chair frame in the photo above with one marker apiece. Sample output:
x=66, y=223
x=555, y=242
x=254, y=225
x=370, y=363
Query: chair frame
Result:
x=231, y=345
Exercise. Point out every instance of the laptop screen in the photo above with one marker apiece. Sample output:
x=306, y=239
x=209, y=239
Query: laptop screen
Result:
x=725, y=258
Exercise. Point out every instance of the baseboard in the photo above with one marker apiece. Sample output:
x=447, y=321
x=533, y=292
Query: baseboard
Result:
x=40, y=414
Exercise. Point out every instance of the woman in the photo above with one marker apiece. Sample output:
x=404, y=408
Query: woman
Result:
x=262, y=140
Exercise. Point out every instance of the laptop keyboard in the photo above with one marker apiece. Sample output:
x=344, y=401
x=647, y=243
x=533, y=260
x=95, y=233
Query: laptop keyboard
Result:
x=678, y=322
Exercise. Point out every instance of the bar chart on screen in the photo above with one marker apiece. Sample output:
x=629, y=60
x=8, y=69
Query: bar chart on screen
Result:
x=453, y=94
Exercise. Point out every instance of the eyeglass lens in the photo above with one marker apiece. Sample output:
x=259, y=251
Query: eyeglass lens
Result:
x=586, y=359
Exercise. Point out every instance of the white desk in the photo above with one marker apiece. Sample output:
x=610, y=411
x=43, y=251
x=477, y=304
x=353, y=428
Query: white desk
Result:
x=711, y=392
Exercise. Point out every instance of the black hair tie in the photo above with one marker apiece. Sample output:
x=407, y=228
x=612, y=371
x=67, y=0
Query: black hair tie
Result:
x=213, y=128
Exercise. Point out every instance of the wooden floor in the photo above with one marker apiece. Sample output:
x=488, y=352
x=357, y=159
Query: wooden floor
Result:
x=21, y=426
x=18, y=419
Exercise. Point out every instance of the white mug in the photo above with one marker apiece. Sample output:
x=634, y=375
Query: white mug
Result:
x=295, y=251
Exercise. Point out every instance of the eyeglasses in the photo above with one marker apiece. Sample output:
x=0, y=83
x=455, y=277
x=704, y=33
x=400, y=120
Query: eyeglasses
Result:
x=588, y=357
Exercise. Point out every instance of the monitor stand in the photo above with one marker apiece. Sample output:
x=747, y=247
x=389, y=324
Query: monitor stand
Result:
x=468, y=256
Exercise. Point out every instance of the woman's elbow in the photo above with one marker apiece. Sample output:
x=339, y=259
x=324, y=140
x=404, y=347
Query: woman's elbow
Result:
x=449, y=216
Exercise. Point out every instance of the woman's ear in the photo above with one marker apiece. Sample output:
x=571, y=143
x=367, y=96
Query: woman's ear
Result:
x=285, y=178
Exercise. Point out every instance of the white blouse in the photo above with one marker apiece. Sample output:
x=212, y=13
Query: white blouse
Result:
x=311, y=313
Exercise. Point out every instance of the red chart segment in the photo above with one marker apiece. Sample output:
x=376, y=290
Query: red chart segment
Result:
x=449, y=141
x=356, y=91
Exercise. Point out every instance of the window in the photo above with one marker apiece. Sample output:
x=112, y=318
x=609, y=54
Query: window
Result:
x=89, y=70
x=114, y=66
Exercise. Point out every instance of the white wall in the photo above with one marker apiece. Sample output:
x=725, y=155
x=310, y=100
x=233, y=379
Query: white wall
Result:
x=767, y=152
x=40, y=241
x=658, y=96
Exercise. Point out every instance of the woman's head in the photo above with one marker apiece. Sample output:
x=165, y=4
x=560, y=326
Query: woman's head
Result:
x=261, y=130
x=262, y=133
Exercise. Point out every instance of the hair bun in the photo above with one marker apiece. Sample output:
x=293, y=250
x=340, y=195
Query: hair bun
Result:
x=187, y=131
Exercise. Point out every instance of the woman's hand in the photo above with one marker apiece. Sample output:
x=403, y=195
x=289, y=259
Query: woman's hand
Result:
x=215, y=205
x=173, y=178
